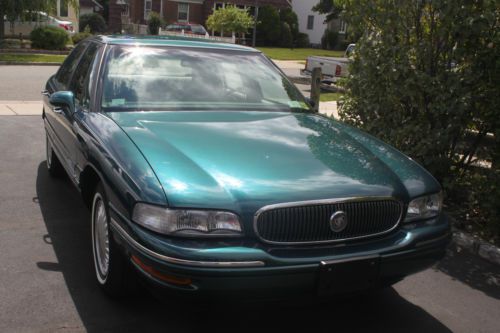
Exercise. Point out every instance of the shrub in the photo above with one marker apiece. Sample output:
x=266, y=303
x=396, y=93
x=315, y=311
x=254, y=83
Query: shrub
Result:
x=269, y=26
x=286, y=39
x=302, y=40
x=94, y=21
x=288, y=16
x=77, y=38
x=49, y=38
x=329, y=39
x=430, y=88
x=154, y=23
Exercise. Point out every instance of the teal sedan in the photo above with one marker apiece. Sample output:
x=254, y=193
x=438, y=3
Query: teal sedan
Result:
x=208, y=173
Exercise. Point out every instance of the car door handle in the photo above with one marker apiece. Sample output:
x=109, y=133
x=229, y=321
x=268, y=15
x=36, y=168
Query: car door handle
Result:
x=45, y=93
x=57, y=110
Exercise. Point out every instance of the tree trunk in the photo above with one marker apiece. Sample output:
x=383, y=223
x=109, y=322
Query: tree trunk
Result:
x=2, y=25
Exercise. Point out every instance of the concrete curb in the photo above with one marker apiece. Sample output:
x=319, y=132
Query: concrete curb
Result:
x=16, y=63
x=477, y=246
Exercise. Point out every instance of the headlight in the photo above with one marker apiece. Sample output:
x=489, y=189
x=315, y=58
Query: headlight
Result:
x=425, y=207
x=186, y=222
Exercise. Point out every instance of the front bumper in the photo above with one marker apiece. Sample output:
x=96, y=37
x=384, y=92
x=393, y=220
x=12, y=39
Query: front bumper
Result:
x=243, y=267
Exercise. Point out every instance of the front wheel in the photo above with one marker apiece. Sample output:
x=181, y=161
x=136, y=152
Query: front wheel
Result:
x=111, y=267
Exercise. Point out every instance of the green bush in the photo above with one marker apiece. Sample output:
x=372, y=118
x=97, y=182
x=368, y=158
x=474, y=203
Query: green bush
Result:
x=286, y=39
x=269, y=26
x=77, y=38
x=154, y=23
x=329, y=39
x=49, y=38
x=430, y=88
x=94, y=21
x=302, y=40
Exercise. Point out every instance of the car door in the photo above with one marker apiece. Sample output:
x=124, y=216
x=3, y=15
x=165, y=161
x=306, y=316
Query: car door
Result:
x=81, y=85
x=58, y=120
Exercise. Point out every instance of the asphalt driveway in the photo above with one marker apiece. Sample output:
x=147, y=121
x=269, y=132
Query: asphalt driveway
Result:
x=47, y=284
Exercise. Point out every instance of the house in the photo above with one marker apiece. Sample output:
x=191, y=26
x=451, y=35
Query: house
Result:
x=67, y=13
x=192, y=11
x=314, y=24
x=311, y=23
x=90, y=6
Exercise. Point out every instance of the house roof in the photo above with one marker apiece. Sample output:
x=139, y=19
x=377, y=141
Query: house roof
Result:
x=171, y=41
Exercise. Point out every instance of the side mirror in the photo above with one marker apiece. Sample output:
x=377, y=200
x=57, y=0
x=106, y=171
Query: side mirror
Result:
x=63, y=100
x=311, y=102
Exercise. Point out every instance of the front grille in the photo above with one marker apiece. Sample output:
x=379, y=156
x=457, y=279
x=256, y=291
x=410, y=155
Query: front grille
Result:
x=310, y=223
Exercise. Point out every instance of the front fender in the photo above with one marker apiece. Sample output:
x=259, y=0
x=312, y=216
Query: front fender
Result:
x=126, y=174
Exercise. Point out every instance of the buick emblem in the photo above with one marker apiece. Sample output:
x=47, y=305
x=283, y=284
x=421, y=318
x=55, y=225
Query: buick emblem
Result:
x=338, y=221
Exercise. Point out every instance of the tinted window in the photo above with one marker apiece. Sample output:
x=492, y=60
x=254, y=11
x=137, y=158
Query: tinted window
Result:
x=68, y=67
x=147, y=78
x=79, y=83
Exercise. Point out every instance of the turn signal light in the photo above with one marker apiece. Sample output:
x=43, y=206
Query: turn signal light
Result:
x=180, y=281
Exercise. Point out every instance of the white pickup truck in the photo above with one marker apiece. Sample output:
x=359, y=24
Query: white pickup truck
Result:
x=331, y=68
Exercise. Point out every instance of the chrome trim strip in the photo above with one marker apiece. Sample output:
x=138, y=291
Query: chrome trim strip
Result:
x=339, y=261
x=325, y=202
x=217, y=264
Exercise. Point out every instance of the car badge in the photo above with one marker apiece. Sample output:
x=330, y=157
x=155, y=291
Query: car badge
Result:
x=338, y=221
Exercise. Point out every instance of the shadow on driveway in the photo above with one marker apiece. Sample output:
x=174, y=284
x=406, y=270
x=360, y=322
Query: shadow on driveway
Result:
x=67, y=222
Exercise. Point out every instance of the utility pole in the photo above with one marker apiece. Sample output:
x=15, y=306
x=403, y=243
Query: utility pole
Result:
x=255, y=16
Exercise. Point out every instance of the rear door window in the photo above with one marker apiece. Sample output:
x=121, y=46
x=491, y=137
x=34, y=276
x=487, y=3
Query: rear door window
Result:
x=67, y=69
x=80, y=80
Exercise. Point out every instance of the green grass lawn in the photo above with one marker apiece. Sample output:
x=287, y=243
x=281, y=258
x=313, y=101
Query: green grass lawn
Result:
x=32, y=57
x=297, y=54
x=328, y=97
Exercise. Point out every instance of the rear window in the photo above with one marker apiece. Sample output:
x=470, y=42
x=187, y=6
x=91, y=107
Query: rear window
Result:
x=145, y=78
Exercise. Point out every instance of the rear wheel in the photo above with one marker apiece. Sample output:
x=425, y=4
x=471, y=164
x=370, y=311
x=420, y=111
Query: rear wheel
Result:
x=111, y=267
x=53, y=164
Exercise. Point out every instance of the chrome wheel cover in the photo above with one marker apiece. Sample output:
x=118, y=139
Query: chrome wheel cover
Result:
x=100, y=238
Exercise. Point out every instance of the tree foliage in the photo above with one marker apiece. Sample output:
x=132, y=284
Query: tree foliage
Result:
x=288, y=16
x=230, y=19
x=268, y=26
x=94, y=21
x=154, y=23
x=330, y=7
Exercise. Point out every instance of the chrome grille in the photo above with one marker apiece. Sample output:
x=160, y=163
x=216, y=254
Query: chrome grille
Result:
x=310, y=222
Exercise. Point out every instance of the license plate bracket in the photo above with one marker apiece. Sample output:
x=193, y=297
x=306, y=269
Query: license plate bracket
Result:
x=348, y=276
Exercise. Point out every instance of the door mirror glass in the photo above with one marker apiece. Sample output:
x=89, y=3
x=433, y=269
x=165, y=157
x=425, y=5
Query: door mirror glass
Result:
x=64, y=100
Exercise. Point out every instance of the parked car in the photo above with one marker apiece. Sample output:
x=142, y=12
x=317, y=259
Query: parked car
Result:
x=33, y=20
x=207, y=172
x=188, y=28
x=332, y=68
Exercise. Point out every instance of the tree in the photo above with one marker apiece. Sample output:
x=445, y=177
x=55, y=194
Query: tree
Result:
x=13, y=9
x=289, y=17
x=230, y=19
x=269, y=25
x=332, y=8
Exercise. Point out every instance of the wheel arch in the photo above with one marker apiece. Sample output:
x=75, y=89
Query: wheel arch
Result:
x=89, y=178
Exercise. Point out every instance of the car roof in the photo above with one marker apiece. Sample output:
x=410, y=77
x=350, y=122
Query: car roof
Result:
x=176, y=41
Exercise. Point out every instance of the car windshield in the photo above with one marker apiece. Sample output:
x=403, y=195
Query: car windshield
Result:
x=151, y=78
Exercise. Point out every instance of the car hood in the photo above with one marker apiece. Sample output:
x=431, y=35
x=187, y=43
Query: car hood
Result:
x=245, y=160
